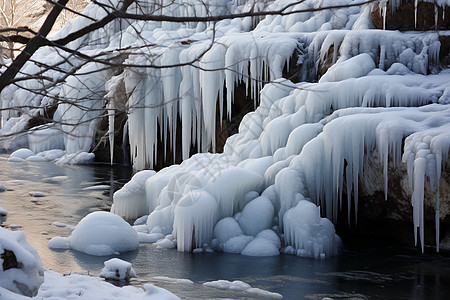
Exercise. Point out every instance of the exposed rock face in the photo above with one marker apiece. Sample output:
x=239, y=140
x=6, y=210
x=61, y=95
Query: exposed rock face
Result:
x=403, y=17
x=444, y=54
x=392, y=218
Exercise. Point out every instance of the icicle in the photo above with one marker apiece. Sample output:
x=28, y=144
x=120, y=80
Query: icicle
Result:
x=416, y=2
x=417, y=198
x=195, y=217
x=111, y=116
x=436, y=12
x=437, y=217
x=124, y=141
x=382, y=57
x=384, y=11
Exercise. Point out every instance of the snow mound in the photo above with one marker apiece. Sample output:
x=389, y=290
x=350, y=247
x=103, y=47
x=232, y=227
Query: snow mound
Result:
x=226, y=229
x=257, y=216
x=80, y=157
x=260, y=247
x=21, y=268
x=117, y=269
x=236, y=244
x=22, y=153
x=100, y=234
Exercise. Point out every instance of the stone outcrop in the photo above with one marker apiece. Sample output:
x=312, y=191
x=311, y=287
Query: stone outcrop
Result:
x=404, y=17
x=392, y=218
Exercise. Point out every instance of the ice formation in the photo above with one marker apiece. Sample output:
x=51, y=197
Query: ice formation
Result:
x=128, y=198
x=99, y=233
x=353, y=91
x=117, y=269
x=21, y=268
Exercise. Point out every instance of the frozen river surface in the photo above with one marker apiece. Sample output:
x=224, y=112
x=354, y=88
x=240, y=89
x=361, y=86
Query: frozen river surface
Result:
x=372, y=270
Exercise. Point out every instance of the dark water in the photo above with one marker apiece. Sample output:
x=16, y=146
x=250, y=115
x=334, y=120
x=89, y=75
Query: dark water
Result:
x=367, y=270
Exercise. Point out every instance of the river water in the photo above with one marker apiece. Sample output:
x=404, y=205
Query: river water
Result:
x=366, y=270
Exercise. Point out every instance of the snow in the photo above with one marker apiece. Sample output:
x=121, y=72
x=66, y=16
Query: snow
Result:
x=376, y=89
x=226, y=229
x=172, y=280
x=354, y=67
x=28, y=277
x=58, y=287
x=117, y=269
x=79, y=157
x=22, y=153
x=99, y=233
x=21, y=267
x=36, y=158
x=260, y=247
x=271, y=236
x=236, y=244
x=238, y=285
x=256, y=216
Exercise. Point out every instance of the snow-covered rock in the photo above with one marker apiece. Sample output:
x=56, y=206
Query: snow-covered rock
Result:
x=21, y=268
x=117, y=269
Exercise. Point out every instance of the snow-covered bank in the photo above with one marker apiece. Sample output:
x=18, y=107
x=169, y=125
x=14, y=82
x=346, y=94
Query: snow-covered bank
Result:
x=61, y=287
x=22, y=276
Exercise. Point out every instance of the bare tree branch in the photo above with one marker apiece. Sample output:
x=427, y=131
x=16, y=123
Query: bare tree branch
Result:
x=35, y=43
